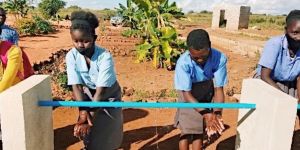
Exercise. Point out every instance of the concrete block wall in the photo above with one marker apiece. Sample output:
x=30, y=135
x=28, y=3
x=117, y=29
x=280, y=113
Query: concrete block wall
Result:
x=232, y=14
x=237, y=16
x=270, y=126
x=25, y=125
x=244, y=17
x=215, y=18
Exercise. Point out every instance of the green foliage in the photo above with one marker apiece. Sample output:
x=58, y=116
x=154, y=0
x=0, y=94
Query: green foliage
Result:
x=17, y=7
x=37, y=25
x=131, y=33
x=75, y=7
x=49, y=8
x=62, y=80
x=105, y=14
x=267, y=21
x=152, y=19
x=67, y=11
x=203, y=18
x=42, y=26
x=26, y=26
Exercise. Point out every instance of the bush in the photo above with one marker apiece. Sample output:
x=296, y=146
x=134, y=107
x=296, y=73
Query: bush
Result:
x=42, y=26
x=33, y=26
x=62, y=80
x=267, y=21
x=131, y=33
x=26, y=26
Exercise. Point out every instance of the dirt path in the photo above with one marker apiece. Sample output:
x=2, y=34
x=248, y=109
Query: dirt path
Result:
x=39, y=48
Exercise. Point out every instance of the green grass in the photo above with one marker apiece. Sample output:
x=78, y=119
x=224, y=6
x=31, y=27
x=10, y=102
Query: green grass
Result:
x=260, y=20
x=197, y=18
x=267, y=21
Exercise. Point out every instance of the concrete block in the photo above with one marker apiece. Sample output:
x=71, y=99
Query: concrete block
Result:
x=237, y=16
x=270, y=126
x=25, y=125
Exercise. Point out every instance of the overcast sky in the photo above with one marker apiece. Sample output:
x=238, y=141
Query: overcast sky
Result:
x=257, y=6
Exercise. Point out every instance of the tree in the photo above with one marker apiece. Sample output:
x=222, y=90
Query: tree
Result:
x=17, y=7
x=49, y=8
x=75, y=7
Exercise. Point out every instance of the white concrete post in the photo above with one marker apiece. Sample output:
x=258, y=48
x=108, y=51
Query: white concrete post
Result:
x=25, y=125
x=271, y=125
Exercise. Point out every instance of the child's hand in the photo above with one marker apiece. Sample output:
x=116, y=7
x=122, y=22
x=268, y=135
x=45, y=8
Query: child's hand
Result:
x=81, y=130
x=214, y=124
x=84, y=117
x=83, y=124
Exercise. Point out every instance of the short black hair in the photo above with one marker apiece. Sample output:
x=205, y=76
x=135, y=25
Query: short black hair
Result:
x=292, y=16
x=85, y=21
x=198, y=39
x=3, y=10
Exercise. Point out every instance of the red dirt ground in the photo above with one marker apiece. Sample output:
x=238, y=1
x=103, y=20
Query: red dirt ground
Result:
x=143, y=128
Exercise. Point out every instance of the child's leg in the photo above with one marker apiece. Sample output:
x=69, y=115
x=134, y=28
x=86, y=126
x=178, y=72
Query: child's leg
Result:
x=184, y=142
x=197, y=141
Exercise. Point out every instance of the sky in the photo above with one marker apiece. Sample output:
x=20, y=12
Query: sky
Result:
x=257, y=6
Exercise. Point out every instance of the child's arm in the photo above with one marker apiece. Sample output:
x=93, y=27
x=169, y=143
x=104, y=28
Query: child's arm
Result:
x=81, y=128
x=187, y=96
x=219, y=97
x=266, y=76
x=98, y=96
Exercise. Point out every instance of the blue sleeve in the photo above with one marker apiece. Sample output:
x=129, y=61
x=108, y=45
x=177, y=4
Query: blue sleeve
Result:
x=270, y=53
x=15, y=37
x=220, y=76
x=107, y=75
x=182, y=77
x=73, y=75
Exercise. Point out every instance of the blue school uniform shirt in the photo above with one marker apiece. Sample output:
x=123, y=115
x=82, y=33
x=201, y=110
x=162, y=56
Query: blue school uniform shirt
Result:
x=276, y=56
x=100, y=74
x=9, y=34
x=187, y=71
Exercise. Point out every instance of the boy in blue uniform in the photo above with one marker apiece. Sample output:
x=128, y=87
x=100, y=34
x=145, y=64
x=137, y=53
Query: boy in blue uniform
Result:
x=91, y=74
x=279, y=64
x=200, y=76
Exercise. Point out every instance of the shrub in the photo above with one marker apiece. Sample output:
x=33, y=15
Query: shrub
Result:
x=131, y=33
x=62, y=80
x=26, y=26
x=33, y=26
x=42, y=26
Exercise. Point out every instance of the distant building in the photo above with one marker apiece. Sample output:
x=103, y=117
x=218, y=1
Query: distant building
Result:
x=231, y=17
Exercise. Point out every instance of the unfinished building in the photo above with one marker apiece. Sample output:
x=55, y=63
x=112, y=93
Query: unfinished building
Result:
x=231, y=17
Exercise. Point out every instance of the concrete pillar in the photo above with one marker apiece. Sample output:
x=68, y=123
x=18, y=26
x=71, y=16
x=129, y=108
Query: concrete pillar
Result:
x=244, y=17
x=25, y=125
x=271, y=125
x=232, y=15
x=216, y=18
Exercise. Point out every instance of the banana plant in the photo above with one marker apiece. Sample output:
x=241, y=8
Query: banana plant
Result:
x=152, y=19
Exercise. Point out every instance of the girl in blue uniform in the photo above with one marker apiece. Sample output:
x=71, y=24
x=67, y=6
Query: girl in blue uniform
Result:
x=200, y=76
x=91, y=74
x=279, y=64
